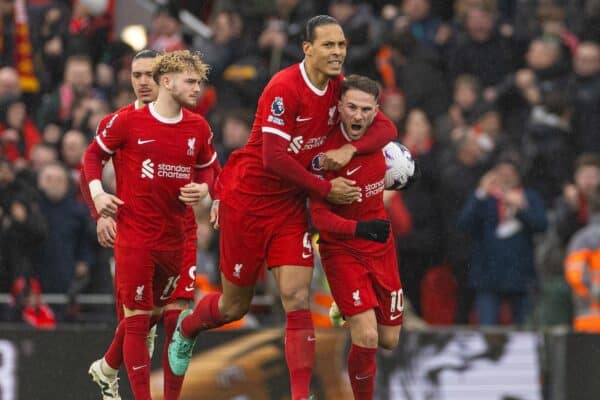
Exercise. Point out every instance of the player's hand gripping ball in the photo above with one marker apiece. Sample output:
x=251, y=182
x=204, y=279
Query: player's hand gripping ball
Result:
x=401, y=169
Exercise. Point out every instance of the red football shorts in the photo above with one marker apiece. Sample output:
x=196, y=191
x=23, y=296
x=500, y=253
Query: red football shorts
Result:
x=145, y=279
x=187, y=278
x=247, y=242
x=359, y=283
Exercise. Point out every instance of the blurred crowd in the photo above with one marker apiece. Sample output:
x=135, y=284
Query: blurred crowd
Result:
x=498, y=100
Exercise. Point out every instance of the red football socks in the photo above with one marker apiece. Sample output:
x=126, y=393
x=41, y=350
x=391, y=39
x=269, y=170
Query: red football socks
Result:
x=135, y=355
x=300, y=351
x=206, y=315
x=114, y=354
x=172, y=383
x=361, y=370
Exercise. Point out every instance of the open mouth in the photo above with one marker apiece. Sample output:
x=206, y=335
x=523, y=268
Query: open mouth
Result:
x=356, y=127
x=335, y=63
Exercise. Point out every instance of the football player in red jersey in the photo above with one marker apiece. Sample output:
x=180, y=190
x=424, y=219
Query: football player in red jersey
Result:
x=104, y=371
x=164, y=151
x=263, y=191
x=357, y=251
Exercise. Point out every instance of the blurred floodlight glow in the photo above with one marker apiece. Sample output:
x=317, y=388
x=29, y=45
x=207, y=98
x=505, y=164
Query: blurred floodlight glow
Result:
x=135, y=36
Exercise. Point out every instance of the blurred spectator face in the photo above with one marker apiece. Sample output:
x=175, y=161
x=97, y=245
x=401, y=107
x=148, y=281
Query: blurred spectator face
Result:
x=52, y=134
x=15, y=115
x=342, y=10
x=468, y=150
x=73, y=147
x=42, y=155
x=587, y=178
x=508, y=176
x=586, y=62
x=144, y=87
x=235, y=133
x=418, y=130
x=327, y=51
x=465, y=94
x=9, y=82
x=165, y=25
x=54, y=182
x=226, y=27
x=7, y=174
x=479, y=24
x=78, y=74
x=416, y=10
x=6, y=7
x=542, y=54
x=393, y=105
x=490, y=123
x=357, y=111
x=123, y=97
x=274, y=36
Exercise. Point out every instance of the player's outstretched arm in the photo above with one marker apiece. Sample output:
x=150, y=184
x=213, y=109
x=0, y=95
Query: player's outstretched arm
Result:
x=381, y=132
x=325, y=220
x=276, y=160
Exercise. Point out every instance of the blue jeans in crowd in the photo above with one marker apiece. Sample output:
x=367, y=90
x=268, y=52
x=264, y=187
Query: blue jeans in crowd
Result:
x=488, y=304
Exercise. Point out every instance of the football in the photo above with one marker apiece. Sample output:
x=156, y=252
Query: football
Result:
x=400, y=166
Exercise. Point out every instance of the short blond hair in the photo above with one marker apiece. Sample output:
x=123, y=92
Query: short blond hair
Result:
x=179, y=61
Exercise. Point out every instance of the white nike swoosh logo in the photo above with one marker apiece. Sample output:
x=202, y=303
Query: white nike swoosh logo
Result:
x=140, y=141
x=311, y=339
x=394, y=317
x=361, y=378
x=306, y=255
x=300, y=119
x=188, y=289
x=138, y=367
x=351, y=171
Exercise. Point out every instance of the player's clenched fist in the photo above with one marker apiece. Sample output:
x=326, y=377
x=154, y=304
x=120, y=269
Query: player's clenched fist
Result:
x=343, y=191
x=107, y=204
x=193, y=193
x=338, y=158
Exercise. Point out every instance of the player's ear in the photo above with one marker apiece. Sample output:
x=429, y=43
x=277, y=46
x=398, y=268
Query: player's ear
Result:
x=166, y=81
x=306, y=47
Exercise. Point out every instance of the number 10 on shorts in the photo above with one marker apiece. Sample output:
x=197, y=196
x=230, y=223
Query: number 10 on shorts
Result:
x=397, y=303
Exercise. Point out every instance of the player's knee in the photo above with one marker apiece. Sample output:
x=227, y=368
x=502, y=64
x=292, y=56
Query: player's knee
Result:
x=295, y=298
x=389, y=342
x=367, y=337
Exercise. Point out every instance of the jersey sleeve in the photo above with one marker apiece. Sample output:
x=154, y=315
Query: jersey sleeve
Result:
x=206, y=155
x=279, y=107
x=112, y=131
x=325, y=220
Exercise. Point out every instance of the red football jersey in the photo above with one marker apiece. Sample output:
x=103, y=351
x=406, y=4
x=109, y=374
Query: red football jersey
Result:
x=293, y=108
x=157, y=156
x=368, y=171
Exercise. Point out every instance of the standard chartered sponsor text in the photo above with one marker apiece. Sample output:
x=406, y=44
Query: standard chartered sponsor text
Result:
x=174, y=171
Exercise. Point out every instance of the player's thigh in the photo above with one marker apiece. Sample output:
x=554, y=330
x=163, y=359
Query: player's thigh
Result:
x=386, y=283
x=242, y=243
x=166, y=275
x=135, y=273
x=349, y=281
x=187, y=277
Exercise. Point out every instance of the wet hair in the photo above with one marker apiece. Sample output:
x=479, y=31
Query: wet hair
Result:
x=146, y=53
x=315, y=22
x=179, y=61
x=361, y=83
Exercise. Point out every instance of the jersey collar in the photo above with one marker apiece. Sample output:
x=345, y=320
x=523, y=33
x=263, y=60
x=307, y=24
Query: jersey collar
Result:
x=162, y=119
x=312, y=87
